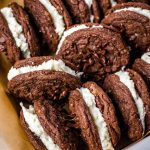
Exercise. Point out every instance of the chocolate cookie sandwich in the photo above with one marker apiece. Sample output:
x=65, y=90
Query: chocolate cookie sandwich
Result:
x=142, y=66
x=18, y=39
x=95, y=116
x=51, y=18
x=47, y=127
x=83, y=11
x=94, y=49
x=133, y=20
x=42, y=77
x=130, y=95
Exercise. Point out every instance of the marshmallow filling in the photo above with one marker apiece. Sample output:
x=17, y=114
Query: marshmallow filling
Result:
x=99, y=121
x=71, y=31
x=34, y=125
x=128, y=82
x=138, y=10
x=57, y=18
x=146, y=57
x=17, y=31
x=57, y=65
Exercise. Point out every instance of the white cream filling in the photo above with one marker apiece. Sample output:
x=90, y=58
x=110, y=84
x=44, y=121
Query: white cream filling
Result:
x=57, y=18
x=17, y=31
x=126, y=80
x=89, y=4
x=146, y=57
x=92, y=18
x=99, y=121
x=71, y=31
x=57, y=65
x=138, y=10
x=35, y=126
x=113, y=3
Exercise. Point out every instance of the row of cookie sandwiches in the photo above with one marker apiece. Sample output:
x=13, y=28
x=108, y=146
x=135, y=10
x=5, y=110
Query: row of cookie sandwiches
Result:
x=28, y=70
x=99, y=59
x=44, y=122
x=19, y=40
x=46, y=78
x=33, y=119
x=94, y=115
x=98, y=49
x=56, y=18
x=89, y=63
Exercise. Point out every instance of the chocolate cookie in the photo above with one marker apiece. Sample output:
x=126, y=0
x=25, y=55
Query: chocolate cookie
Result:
x=130, y=95
x=42, y=77
x=51, y=19
x=142, y=66
x=95, y=50
x=83, y=11
x=95, y=116
x=133, y=20
x=18, y=39
x=47, y=127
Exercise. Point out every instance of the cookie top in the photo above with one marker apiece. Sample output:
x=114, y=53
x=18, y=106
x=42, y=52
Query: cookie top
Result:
x=47, y=127
x=20, y=40
x=52, y=23
x=54, y=85
x=96, y=50
x=95, y=116
x=40, y=63
x=122, y=16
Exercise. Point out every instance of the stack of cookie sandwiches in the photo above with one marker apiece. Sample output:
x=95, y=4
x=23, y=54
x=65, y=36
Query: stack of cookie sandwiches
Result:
x=81, y=83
